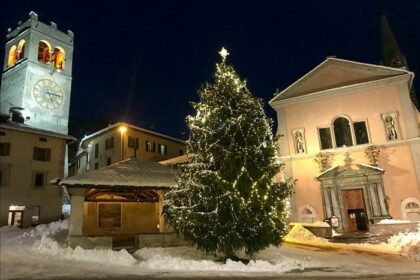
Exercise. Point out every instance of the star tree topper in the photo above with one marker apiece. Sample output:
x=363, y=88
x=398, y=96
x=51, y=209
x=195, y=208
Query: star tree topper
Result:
x=223, y=53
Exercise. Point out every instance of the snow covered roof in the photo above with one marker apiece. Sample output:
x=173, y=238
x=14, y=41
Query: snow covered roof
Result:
x=175, y=160
x=26, y=128
x=116, y=125
x=132, y=172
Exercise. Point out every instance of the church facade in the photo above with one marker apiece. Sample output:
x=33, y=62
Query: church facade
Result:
x=349, y=134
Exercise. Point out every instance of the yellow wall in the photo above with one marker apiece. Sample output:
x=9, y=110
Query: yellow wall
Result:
x=20, y=166
x=135, y=218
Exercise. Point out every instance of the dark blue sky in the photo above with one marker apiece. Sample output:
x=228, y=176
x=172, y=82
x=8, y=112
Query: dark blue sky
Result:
x=143, y=61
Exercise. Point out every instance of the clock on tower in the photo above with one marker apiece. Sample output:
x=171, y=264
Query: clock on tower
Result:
x=37, y=74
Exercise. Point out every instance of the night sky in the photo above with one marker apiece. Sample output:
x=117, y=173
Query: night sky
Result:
x=143, y=61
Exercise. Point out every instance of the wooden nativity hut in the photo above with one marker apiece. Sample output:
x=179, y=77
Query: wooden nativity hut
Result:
x=120, y=206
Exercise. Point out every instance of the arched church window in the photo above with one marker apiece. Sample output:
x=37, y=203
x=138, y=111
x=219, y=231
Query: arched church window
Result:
x=411, y=205
x=58, y=58
x=12, y=56
x=44, y=51
x=410, y=209
x=20, y=50
x=342, y=132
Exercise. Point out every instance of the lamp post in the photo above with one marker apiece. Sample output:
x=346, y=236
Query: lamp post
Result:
x=122, y=130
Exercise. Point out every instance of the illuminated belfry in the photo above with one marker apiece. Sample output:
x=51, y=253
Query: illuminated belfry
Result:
x=37, y=75
x=392, y=55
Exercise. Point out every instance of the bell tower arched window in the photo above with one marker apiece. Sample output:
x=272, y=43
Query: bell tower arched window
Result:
x=20, y=53
x=342, y=132
x=58, y=58
x=44, y=51
x=12, y=56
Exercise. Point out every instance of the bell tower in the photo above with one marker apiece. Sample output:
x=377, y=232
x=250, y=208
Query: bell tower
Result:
x=392, y=55
x=37, y=74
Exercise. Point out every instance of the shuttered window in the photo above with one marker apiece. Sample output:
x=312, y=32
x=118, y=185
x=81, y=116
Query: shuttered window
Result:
x=42, y=154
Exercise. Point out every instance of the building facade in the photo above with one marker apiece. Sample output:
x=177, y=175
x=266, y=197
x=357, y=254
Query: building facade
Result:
x=349, y=133
x=123, y=141
x=37, y=74
x=29, y=159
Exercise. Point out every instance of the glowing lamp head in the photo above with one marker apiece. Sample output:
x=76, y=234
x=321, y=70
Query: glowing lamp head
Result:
x=122, y=129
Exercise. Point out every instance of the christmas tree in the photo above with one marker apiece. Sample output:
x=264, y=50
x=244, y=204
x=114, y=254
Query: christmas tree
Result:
x=227, y=199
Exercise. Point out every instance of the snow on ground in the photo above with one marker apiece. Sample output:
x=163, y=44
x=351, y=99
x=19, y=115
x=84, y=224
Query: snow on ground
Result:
x=190, y=259
x=392, y=221
x=46, y=245
x=404, y=238
x=396, y=244
x=42, y=251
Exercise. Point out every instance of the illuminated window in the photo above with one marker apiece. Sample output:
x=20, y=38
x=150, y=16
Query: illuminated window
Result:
x=342, y=132
x=162, y=149
x=96, y=150
x=12, y=56
x=44, y=52
x=20, y=50
x=36, y=210
x=58, y=58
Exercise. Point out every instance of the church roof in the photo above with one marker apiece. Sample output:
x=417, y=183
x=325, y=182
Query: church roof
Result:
x=334, y=73
x=130, y=173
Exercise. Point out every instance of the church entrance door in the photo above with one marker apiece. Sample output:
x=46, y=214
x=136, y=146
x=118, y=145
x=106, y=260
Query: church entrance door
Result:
x=354, y=207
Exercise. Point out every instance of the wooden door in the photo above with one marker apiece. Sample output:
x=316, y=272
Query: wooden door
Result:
x=354, y=208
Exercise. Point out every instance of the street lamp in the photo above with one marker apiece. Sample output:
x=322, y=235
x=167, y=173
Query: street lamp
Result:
x=122, y=130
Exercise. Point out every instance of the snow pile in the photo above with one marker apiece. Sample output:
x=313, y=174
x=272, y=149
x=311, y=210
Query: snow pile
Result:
x=51, y=240
x=48, y=229
x=298, y=232
x=320, y=224
x=404, y=238
x=51, y=247
x=391, y=221
x=190, y=259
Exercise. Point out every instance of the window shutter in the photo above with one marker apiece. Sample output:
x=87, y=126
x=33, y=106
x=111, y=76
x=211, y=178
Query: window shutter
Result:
x=7, y=149
x=47, y=154
x=35, y=155
x=166, y=150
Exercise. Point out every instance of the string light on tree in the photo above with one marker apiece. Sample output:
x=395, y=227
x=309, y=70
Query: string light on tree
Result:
x=227, y=199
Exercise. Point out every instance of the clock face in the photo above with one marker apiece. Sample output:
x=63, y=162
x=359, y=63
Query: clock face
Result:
x=48, y=94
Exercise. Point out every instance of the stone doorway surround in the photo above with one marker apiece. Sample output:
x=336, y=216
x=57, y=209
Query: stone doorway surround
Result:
x=366, y=177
